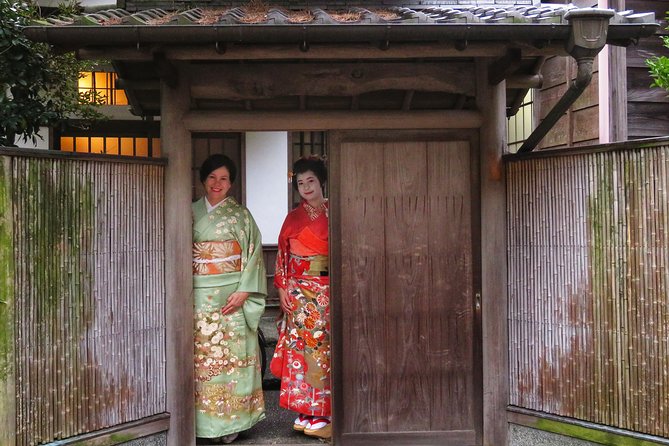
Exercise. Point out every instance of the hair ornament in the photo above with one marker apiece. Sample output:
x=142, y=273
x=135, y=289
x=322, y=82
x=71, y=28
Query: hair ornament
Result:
x=290, y=176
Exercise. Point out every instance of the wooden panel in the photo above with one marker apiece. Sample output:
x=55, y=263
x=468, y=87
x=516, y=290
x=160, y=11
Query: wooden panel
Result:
x=450, y=285
x=589, y=292
x=406, y=281
x=590, y=96
x=558, y=135
x=585, y=124
x=407, y=296
x=363, y=266
x=208, y=121
x=270, y=80
x=554, y=72
x=647, y=120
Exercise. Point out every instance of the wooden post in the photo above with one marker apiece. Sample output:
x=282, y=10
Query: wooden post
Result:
x=491, y=101
x=176, y=146
x=7, y=377
x=617, y=86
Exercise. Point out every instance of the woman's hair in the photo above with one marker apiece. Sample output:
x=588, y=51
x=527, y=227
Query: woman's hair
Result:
x=312, y=163
x=216, y=161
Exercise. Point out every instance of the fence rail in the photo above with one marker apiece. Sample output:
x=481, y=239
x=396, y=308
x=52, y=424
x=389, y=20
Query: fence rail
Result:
x=88, y=290
x=588, y=263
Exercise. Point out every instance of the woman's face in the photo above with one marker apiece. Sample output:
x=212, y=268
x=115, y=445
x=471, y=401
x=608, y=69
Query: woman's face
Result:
x=309, y=187
x=217, y=184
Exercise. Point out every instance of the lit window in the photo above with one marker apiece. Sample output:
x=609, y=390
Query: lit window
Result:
x=112, y=145
x=521, y=125
x=102, y=85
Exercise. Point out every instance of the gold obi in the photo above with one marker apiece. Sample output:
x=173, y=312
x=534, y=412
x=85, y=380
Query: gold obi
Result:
x=216, y=257
x=309, y=265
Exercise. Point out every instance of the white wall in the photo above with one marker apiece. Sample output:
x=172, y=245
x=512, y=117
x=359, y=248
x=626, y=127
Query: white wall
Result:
x=40, y=143
x=267, y=181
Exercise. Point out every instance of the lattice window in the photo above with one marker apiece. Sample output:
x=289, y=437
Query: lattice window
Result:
x=145, y=147
x=521, y=125
x=103, y=86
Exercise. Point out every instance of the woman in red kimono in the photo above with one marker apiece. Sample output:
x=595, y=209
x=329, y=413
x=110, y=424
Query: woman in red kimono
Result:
x=302, y=356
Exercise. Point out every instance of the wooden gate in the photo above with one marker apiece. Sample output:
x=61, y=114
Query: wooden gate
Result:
x=407, y=347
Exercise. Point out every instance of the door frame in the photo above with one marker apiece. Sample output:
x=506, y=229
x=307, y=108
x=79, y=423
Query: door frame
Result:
x=335, y=139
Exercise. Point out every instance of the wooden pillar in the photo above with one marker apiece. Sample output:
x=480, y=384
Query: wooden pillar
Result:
x=7, y=371
x=491, y=100
x=176, y=147
x=616, y=94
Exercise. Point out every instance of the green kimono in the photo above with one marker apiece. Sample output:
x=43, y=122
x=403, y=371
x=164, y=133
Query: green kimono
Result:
x=227, y=257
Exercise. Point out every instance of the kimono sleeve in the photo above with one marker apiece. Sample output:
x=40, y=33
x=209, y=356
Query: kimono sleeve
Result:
x=253, y=278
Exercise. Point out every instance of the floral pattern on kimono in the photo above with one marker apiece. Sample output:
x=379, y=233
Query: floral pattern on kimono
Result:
x=227, y=257
x=302, y=356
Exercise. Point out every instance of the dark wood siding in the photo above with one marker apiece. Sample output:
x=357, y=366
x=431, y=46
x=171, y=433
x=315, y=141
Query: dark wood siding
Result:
x=648, y=108
x=580, y=125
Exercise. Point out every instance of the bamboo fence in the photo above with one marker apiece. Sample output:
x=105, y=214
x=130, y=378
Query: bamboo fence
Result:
x=89, y=295
x=588, y=286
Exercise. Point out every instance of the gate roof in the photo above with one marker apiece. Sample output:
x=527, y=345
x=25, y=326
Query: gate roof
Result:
x=141, y=42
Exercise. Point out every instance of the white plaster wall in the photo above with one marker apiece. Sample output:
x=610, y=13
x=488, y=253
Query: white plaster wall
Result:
x=39, y=143
x=267, y=181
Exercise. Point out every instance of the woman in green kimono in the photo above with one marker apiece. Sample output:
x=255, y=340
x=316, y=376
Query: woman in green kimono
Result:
x=229, y=286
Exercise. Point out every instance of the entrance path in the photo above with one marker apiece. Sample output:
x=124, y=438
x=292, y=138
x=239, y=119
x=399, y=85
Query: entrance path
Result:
x=276, y=429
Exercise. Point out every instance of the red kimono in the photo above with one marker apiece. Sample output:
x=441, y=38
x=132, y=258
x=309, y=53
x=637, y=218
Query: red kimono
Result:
x=302, y=356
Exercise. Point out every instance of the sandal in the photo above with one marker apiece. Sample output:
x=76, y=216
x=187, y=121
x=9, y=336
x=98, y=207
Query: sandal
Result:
x=301, y=422
x=320, y=427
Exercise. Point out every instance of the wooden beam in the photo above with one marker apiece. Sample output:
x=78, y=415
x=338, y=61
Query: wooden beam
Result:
x=213, y=121
x=263, y=81
x=136, y=84
x=120, y=434
x=491, y=99
x=505, y=66
x=320, y=52
x=165, y=70
x=176, y=147
x=525, y=81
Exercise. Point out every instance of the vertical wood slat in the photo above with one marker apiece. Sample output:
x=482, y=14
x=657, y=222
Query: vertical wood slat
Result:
x=8, y=332
x=362, y=258
x=610, y=310
x=67, y=349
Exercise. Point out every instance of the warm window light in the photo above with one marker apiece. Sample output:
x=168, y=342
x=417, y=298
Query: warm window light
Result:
x=112, y=145
x=127, y=147
x=103, y=85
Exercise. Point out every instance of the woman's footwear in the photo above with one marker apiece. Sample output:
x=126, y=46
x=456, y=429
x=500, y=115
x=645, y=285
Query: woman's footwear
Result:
x=320, y=427
x=227, y=439
x=301, y=422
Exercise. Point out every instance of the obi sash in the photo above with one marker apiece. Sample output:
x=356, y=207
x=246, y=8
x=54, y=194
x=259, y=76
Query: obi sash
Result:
x=216, y=257
x=316, y=265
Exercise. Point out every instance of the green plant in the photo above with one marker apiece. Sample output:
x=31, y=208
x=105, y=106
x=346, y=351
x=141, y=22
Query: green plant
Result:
x=38, y=86
x=659, y=67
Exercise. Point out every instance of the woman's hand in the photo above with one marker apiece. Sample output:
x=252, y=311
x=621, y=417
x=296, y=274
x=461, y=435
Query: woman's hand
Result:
x=284, y=301
x=235, y=301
